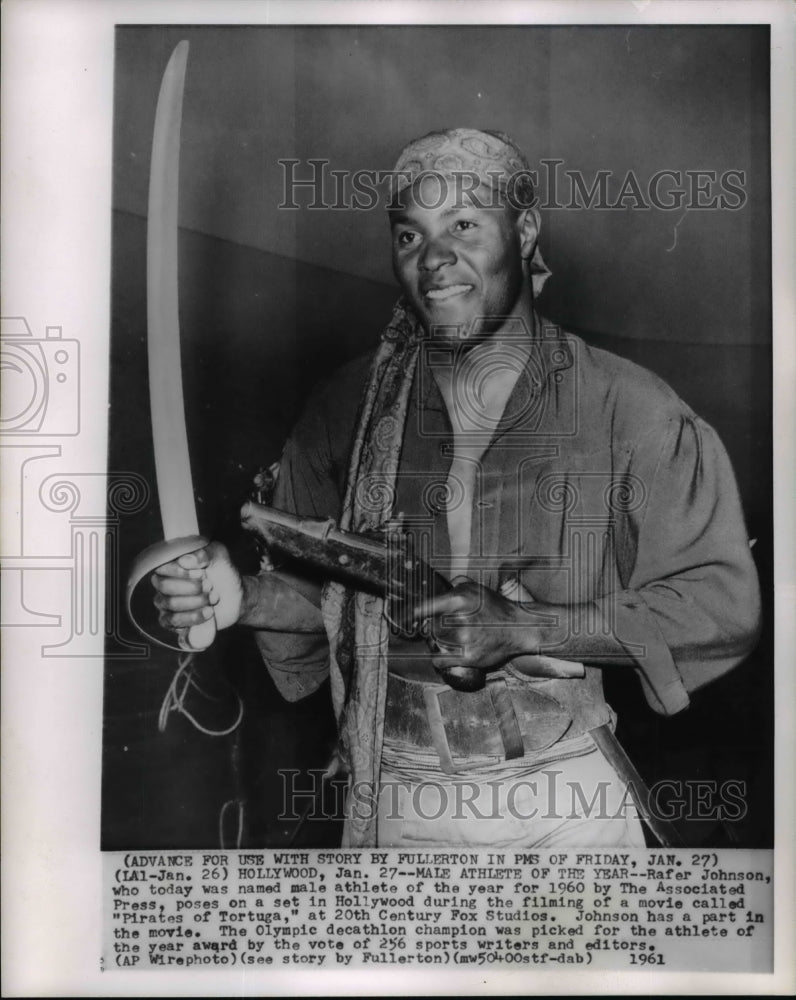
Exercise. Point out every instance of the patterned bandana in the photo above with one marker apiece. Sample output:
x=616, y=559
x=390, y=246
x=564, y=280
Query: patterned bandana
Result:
x=493, y=157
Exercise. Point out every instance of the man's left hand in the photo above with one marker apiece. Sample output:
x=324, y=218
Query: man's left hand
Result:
x=473, y=626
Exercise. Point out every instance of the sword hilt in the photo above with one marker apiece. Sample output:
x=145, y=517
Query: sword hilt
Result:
x=193, y=639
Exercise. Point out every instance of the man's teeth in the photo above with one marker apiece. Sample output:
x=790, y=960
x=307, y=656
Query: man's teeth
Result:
x=447, y=292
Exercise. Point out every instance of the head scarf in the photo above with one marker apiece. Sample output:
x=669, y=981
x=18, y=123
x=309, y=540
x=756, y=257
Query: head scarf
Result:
x=492, y=156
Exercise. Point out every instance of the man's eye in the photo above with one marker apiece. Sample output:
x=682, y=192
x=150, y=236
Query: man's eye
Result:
x=406, y=238
x=464, y=224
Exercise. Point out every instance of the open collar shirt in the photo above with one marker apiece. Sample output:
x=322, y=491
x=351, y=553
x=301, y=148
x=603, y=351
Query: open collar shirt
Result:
x=598, y=487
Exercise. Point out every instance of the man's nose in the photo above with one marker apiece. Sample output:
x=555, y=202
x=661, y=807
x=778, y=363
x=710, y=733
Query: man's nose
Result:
x=436, y=253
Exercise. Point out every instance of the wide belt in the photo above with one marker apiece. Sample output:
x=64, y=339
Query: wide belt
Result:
x=506, y=720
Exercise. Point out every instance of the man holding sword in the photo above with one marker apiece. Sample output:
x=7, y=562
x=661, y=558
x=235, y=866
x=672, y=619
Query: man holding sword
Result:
x=586, y=518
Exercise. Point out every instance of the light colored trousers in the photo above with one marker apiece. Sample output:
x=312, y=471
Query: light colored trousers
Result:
x=577, y=802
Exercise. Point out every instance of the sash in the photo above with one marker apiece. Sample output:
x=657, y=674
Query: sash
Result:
x=357, y=629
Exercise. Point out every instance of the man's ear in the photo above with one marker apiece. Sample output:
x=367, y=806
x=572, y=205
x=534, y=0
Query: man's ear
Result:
x=528, y=225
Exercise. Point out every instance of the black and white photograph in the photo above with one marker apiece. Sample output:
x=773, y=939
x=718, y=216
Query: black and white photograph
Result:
x=424, y=569
x=574, y=414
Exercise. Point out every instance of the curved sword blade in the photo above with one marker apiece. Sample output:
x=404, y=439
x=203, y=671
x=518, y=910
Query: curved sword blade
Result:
x=172, y=459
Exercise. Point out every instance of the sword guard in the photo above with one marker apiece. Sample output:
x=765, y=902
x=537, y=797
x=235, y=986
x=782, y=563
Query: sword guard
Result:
x=193, y=639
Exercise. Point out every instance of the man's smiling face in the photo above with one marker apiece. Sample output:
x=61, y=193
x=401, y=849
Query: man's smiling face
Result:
x=458, y=261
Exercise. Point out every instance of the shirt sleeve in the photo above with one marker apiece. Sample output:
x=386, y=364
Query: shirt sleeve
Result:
x=691, y=610
x=299, y=662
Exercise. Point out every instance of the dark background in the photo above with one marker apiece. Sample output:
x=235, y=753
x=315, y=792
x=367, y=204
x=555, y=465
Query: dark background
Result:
x=271, y=300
